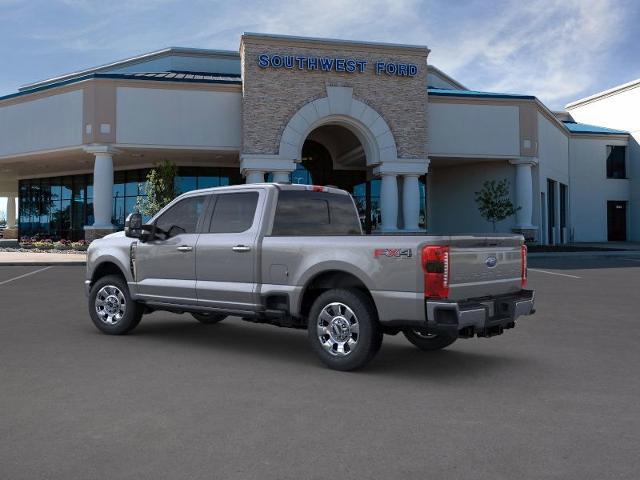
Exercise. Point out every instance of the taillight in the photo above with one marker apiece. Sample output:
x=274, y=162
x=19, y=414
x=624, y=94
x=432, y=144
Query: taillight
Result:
x=435, y=264
x=523, y=268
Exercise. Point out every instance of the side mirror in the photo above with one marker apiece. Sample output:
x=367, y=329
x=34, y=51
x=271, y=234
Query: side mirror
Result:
x=133, y=225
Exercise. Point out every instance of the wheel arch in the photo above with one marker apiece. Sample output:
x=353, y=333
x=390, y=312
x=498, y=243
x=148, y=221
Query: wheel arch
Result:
x=108, y=267
x=326, y=280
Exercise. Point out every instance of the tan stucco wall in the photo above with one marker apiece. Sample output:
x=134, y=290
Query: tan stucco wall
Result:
x=272, y=96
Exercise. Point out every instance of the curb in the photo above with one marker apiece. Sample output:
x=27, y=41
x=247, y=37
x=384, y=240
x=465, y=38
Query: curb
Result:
x=616, y=253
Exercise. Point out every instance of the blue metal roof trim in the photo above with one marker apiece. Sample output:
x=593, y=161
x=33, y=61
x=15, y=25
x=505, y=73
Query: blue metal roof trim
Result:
x=445, y=92
x=575, y=127
x=222, y=79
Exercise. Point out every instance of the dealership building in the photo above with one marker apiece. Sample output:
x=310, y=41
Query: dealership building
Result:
x=411, y=144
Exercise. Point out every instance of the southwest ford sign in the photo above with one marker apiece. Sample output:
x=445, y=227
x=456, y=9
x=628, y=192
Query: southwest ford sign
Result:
x=335, y=64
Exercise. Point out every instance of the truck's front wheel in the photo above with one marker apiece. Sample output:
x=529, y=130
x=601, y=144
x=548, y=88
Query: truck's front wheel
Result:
x=343, y=329
x=112, y=309
x=427, y=341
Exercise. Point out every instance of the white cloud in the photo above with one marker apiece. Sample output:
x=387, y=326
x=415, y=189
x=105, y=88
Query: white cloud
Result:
x=548, y=48
x=553, y=49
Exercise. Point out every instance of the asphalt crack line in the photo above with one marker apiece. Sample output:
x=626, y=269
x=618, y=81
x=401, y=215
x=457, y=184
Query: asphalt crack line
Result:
x=553, y=273
x=25, y=275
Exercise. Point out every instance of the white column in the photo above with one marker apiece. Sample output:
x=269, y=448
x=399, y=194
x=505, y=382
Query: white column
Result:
x=411, y=202
x=102, y=190
x=11, y=212
x=281, y=177
x=524, y=192
x=389, y=202
x=254, y=176
x=102, y=186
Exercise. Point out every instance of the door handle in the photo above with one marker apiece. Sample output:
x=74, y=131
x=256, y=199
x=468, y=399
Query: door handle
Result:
x=241, y=248
x=184, y=248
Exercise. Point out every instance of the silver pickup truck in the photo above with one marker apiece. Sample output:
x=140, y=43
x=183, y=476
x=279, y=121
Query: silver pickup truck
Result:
x=295, y=256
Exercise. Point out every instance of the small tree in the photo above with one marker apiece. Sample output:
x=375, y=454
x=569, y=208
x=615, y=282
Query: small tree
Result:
x=160, y=188
x=494, y=203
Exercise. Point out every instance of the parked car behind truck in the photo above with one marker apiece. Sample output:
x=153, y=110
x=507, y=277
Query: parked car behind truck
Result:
x=295, y=256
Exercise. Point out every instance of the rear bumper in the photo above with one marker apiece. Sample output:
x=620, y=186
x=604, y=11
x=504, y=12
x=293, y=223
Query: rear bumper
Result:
x=481, y=317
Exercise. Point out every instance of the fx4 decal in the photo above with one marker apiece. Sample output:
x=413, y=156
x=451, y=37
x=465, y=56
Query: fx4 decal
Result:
x=392, y=252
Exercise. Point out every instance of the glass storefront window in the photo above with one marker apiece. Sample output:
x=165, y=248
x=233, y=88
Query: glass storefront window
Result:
x=118, y=184
x=186, y=184
x=422, y=220
x=67, y=188
x=60, y=207
x=118, y=215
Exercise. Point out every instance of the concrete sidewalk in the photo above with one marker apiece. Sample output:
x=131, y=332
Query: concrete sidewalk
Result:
x=592, y=253
x=37, y=259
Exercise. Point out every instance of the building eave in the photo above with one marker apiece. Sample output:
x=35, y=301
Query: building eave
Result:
x=130, y=61
x=605, y=93
x=116, y=76
x=447, y=77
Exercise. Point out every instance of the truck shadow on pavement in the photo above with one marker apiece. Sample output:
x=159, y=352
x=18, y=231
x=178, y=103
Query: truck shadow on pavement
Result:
x=281, y=345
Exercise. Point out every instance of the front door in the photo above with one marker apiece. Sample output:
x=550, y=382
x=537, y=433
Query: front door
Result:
x=165, y=267
x=226, y=254
x=551, y=212
x=617, y=221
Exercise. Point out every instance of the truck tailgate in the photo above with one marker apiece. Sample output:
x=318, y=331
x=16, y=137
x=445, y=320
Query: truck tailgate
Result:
x=483, y=267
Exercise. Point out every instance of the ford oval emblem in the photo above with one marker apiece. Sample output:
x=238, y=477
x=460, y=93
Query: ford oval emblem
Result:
x=491, y=261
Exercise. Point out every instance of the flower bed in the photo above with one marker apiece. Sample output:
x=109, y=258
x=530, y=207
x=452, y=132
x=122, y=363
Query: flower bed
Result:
x=47, y=245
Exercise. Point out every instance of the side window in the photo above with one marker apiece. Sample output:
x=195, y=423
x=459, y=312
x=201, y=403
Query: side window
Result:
x=305, y=213
x=233, y=212
x=300, y=213
x=182, y=217
x=616, y=161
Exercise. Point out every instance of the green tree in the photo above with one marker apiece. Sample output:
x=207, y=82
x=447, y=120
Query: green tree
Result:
x=494, y=203
x=160, y=188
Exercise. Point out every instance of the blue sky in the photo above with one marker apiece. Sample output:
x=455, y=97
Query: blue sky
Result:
x=557, y=50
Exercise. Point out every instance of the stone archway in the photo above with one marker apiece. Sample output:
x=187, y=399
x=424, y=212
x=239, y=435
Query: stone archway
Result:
x=340, y=108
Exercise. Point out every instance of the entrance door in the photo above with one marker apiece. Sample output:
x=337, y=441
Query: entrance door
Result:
x=226, y=255
x=617, y=221
x=551, y=211
x=166, y=266
x=543, y=218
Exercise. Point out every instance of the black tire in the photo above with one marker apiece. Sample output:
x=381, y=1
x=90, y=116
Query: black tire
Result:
x=429, y=342
x=114, y=297
x=362, y=346
x=208, y=318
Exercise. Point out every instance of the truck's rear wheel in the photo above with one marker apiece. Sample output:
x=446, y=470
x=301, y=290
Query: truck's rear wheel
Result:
x=208, y=318
x=427, y=341
x=111, y=307
x=343, y=329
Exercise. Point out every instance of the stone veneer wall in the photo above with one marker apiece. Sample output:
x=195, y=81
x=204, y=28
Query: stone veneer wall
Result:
x=271, y=96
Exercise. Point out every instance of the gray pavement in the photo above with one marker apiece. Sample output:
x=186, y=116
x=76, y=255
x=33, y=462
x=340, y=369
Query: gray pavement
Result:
x=555, y=398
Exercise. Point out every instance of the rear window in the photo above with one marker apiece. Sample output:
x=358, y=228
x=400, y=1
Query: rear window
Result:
x=315, y=213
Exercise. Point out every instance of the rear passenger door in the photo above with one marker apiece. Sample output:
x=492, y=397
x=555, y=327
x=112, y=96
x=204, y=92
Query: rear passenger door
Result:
x=226, y=254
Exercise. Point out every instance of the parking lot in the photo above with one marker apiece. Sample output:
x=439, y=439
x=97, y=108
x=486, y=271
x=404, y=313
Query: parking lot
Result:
x=557, y=397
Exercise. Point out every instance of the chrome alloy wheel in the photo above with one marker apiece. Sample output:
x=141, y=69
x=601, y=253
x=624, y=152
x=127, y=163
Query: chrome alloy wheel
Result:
x=110, y=304
x=338, y=329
